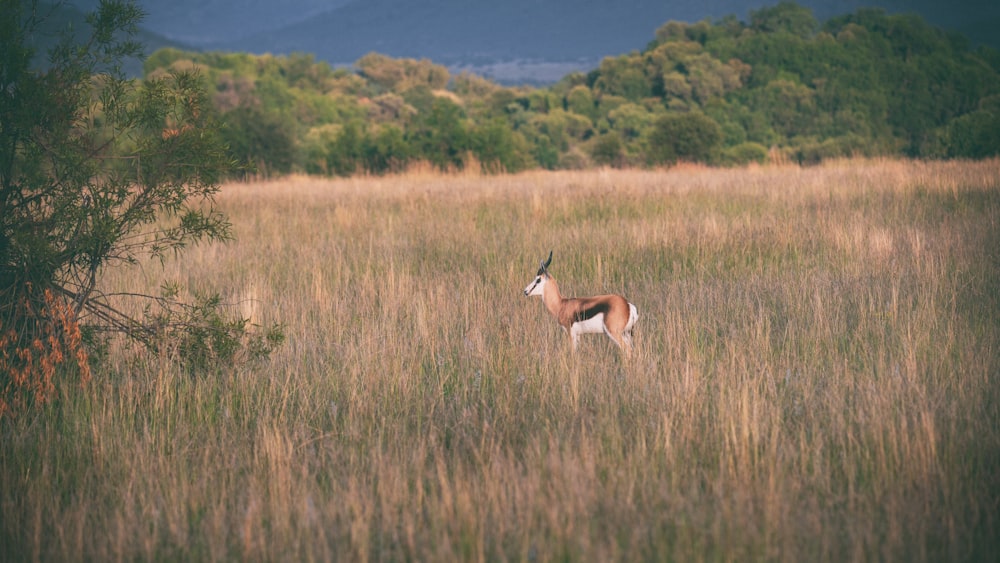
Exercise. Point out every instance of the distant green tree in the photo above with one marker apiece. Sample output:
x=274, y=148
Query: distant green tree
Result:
x=789, y=107
x=974, y=135
x=498, y=148
x=580, y=100
x=440, y=134
x=345, y=153
x=608, y=150
x=623, y=76
x=398, y=75
x=386, y=150
x=687, y=136
x=562, y=127
x=743, y=153
x=264, y=140
x=630, y=120
x=786, y=17
x=542, y=101
x=545, y=153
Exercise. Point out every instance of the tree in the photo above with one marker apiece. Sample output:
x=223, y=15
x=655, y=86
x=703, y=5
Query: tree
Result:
x=497, y=147
x=789, y=106
x=386, y=150
x=440, y=134
x=346, y=151
x=630, y=120
x=261, y=138
x=974, y=135
x=96, y=171
x=786, y=17
x=608, y=150
x=685, y=136
x=580, y=100
x=402, y=74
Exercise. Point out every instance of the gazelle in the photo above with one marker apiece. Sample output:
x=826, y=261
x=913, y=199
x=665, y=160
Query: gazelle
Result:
x=611, y=314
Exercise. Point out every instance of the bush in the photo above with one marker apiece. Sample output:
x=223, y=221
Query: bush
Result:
x=204, y=338
x=497, y=148
x=608, y=150
x=742, y=154
x=685, y=136
x=814, y=152
x=264, y=140
x=974, y=135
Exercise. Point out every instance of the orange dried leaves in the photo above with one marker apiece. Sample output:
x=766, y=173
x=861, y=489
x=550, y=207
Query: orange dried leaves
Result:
x=34, y=351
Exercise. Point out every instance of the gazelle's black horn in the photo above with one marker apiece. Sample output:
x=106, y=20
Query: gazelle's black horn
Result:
x=548, y=261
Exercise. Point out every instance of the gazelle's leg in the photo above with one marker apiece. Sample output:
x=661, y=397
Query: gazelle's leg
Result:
x=627, y=339
x=616, y=338
x=623, y=340
x=627, y=348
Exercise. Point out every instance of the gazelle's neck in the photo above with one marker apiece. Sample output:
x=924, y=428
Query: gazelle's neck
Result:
x=551, y=297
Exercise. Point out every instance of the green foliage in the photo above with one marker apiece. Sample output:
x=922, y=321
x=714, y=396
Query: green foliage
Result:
x=861, y=83
x=812, y=151
x=624, y=76
x=608, y=150
x=440, y=135
x=345, y=153
x=688, y=136
x=498, y=148
x=630, y=120
x=386, y=151
x=974, y=135
x=786, y=17
x=580, y=100
x=545, y=153
x=402, y=74
x=265, y=140
x=204, y=338
x=96, y=170
x=742, y=154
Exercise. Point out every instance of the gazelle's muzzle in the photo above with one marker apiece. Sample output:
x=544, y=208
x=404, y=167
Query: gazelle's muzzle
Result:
x=533, y=287
x=527, y=290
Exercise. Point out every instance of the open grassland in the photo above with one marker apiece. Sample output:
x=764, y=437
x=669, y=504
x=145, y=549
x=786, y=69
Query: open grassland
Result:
x=816, y=378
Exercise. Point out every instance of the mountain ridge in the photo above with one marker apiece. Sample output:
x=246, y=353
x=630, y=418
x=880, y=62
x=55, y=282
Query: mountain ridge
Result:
x=480, y=35
x=483, y=36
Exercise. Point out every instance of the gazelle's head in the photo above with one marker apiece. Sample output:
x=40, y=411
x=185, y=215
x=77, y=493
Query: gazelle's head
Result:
x=538, y=284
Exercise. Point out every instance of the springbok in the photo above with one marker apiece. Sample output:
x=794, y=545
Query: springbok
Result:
x=611, y=314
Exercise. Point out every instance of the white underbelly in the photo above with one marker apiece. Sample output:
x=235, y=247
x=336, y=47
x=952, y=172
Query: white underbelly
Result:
x=593, y=324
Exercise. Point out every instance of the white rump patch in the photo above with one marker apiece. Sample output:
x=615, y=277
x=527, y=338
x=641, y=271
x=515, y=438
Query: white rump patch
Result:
x=632, y=317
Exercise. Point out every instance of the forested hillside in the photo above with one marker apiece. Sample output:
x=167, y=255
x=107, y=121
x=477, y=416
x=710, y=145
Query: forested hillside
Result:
x=782, y=85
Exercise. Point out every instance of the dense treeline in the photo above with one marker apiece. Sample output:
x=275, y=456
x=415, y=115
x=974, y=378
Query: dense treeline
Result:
x=727, y=92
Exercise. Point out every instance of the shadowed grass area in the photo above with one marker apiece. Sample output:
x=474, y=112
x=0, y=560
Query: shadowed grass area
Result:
x=815, y=378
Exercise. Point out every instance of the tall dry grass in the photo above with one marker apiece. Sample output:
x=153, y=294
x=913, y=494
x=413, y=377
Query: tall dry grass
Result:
x=816, y=378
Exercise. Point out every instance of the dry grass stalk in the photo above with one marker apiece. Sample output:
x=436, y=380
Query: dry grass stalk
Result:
x=814, y=380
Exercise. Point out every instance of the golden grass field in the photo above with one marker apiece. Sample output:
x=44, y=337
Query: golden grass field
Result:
x=816, y=378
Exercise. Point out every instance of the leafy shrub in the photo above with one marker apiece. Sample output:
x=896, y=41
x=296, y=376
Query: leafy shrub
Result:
x=204, y=337
x=686, y=136
x=974, y=135
x=743, y=153
x=608, y=150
